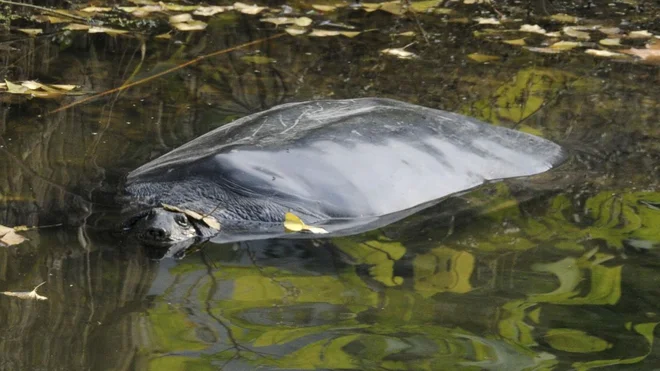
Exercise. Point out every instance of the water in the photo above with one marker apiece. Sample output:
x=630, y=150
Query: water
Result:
x=555, y=272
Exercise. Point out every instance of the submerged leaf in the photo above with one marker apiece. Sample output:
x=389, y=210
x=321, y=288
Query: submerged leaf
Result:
x=518, y=42
x=604, y=53
x=27, y=295
x=483, y=58
x=564, y=18
x=640, y=35
x=293, y=223
x=575, y=341
x=399, y=53
x=565, y=45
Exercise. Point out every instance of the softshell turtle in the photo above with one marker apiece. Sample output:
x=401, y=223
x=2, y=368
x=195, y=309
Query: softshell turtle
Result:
x=345, y=166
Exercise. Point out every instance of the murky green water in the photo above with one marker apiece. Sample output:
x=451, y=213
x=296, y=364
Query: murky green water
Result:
x=557, y=272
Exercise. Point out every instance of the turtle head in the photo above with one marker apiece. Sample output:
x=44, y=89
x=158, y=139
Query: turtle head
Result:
x=161, y=228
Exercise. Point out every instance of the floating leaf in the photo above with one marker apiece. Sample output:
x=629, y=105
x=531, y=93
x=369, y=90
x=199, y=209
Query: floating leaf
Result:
x=326, y=33
x=302, y=21
x=76, y=27
x=109, y=31
x=163, y=36
x=645, y=54
x=603, y=53
x=31, y=31
x=543, y=50
x=50, y=19
x=295, y=31
x=249, y=9
x=393, y=7
x=207, y=11
x=27, y=295
x=483, y=58
x=573, y=32
x=180, y=18
x=564, y=18
x=518, y=42
x=9, y=237
x=207, y=219
x=423, y=6
x=257, y=59
x=190, y=26
x=640, y=35
x=610, y=30
x=324, y=8
x=407, y=34
x=399, y=53
x=487, y=20
x=293, y=223
x=610, y=42
x=15, y=88
x=565, y=45
x=533, y=29
x=95, y=9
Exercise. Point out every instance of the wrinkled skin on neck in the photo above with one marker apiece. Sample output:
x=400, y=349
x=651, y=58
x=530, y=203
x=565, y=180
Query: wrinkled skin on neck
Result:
x=166, y=233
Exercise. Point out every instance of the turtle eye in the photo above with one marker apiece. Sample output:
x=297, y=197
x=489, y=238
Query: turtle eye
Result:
x=181, y=220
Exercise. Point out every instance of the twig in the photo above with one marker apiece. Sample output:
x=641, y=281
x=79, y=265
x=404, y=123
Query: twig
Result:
x=43, y=9
x=141, y=81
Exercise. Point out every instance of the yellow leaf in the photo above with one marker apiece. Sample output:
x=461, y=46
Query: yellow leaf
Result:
x=564, y=18
x=407, y=33
x=610, y=42
x=9, y=237
x=399, y=53
x=33, y=85
x=323, y=33
x=15, y=88
x=180, y=18
x=294, y=31
x=190, y=26
x=31, y=31
x=65, y=87
x=302, y=21
x=95, y=9
x=164, y=36
x=533, y=29
x=640, y=35
x=564, y=45
x=575, y=341
x=573, y=32
x=393, y=7
x=211, y=222
x=487, y=21
x=483, y=58
x=324, y=8
x=423, y=6
x=28, y=295
x=109, y=31
x=76, y=27
x=249, y=9
x=293, y=223
x=207, y=11
x=518, y=42
x=603, y=53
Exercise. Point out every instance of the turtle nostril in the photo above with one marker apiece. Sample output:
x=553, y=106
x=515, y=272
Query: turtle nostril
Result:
x=157, y=234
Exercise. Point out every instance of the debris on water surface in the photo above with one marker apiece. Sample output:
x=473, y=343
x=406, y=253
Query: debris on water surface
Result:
x=483, y=58
x=209, y=220
x=37, y=89
x=292, y=223
x=26, y=295
x=9, y=237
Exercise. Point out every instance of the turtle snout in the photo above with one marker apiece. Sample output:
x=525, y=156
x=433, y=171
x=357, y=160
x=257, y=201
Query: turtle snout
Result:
x=157, y=233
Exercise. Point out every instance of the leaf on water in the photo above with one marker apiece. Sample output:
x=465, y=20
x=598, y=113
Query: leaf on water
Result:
x=9, y=237
x=487, y=20
x=190, y=26
x=50, y=19
x=533, y=28
x=207, y=219
x=476, y=2
x=326, y=33
x=647, y=55
x=393, y=7
x=518, y=42
x=543, y=50
x=15, y=88
x=106, y=30
x=257, y=59
x=302, y=21
x=31, y=31
x=249, y=9
x=399, y=53
x=610, y=42
x=407, y=34
x=27, y=295
x=603, y=53
x=180, y=18
x=324, y=8
x=610, y=30
x=292, y=223
x=483, y=58
x=95, y=9
x=564, y=18
x=76, y=27
x=207, y=11
x=424, y=6
x=178, y=8
x=573, y=32
x=294, y=31
x=640, y=35
x=565, y=45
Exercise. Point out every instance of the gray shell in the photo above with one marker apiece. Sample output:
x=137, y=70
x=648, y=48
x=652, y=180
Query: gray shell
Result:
x=344, y=159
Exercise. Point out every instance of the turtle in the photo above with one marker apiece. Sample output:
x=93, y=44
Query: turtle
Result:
x=332, y=167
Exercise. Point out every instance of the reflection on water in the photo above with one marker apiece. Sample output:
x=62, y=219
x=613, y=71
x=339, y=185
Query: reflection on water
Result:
x=555, y=272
